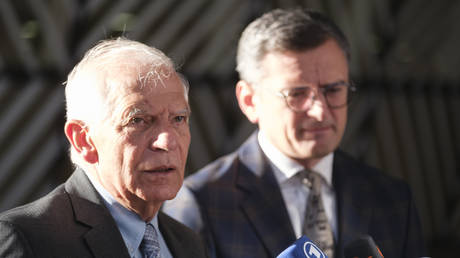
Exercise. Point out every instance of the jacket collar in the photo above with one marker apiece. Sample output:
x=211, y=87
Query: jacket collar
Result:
x=264, y=205
x=103, y=237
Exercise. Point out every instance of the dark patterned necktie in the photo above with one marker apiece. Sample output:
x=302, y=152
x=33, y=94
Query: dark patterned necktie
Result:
x=316, y=225
x=150, y=247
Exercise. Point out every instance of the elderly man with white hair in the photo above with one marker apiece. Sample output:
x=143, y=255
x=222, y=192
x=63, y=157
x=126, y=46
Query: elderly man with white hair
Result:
x=127, y=124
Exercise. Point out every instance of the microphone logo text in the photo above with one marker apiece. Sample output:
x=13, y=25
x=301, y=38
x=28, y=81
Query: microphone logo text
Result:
x=312, y=251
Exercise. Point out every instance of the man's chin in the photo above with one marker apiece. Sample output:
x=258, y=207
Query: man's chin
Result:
x=317, y=151
x=161, y=195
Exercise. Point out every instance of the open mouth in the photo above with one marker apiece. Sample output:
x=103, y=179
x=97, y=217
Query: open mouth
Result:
x=160, y=170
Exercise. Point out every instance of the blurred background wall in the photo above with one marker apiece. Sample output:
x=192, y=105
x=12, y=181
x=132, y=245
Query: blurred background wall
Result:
x=405, y=62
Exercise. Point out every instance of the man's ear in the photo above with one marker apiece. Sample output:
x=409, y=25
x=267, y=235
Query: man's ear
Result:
x=245, y=96
x=81, y=141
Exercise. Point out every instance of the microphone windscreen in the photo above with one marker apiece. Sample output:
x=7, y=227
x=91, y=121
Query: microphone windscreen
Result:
x=301, y=248
x=362, y=247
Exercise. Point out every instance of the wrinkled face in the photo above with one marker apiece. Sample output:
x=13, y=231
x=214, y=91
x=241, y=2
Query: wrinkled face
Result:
x=309, y=135
x=142, y=147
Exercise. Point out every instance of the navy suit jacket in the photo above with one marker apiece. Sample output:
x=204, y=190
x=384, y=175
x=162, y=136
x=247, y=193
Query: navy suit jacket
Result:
x=244, y=215
x=72, y=221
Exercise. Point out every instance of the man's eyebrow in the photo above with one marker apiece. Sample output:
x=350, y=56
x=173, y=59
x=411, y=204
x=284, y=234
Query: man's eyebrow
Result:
x=131, y=113
x=135, y=111
x=333, y=83
x=185, y=111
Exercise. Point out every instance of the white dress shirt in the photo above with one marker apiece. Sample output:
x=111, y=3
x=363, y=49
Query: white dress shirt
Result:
x=295, y=193
x=131, y=226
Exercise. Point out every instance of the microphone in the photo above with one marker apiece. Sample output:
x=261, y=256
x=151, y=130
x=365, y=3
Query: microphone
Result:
x=302, y=247
x=363, y=247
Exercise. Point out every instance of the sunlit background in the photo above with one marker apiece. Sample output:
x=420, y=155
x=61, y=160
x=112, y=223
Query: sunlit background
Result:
x=405, y=62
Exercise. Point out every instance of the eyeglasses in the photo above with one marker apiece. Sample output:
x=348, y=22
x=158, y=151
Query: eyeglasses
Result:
x=300, y=99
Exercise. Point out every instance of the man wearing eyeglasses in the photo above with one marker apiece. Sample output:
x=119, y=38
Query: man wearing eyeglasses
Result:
x=288, y=179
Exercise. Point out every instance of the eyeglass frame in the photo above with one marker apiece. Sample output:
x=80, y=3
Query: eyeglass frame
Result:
x=351, y=88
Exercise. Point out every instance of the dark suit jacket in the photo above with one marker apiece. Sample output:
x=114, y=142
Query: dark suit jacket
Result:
x=72, y=221
x=245, y=215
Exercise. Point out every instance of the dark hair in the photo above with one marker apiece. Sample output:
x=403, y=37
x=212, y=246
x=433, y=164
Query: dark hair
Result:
x=280, y=30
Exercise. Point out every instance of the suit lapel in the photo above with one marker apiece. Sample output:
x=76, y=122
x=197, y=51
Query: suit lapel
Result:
x=264, y=205
x=103, y=237
x=174, y=245
x=353, y=207
x=179, y=242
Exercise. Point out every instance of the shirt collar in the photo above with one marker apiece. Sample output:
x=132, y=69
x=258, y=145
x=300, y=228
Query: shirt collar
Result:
x=131, y=226
x=289, y=167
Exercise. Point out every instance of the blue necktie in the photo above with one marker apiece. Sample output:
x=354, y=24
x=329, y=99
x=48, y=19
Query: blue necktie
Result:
x=150, y=247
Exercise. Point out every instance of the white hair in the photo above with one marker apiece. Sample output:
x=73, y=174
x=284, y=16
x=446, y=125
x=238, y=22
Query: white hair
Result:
x=92, y=79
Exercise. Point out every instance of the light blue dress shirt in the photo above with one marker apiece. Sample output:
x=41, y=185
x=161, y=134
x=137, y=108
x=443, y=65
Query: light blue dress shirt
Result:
x=131, y=226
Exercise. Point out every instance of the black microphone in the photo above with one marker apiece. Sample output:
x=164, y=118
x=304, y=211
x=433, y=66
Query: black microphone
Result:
x=363, y=247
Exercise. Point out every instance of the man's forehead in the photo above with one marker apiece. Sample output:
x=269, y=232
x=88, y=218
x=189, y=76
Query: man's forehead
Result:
x=138, y=103
x=143, y=81
x=306, y=66
x=147, y=96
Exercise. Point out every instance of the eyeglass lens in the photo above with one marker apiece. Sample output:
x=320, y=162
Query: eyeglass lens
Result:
x=300, y=99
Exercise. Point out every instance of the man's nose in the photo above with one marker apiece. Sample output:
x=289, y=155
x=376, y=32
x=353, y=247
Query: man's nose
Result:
x=319, y=108
x=164, y=141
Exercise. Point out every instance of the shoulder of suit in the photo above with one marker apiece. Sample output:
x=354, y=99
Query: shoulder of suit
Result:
x=43, y=209
x=224, y=168
x=212, y=171
x=375, y=177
